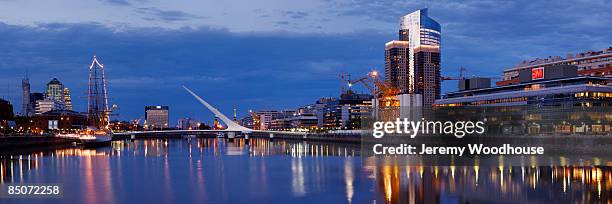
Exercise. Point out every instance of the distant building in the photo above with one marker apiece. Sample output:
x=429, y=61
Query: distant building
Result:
x=55, y=90
x=301, y=118
x=346, y=112
x=319, y=109
x=474, y=83
x=6, y=111
x=46, y=105
x=249, y=122
x=297, y=121
x=35, y=97
x=156, y=117
x=67, y=100
x=26, y=107
x=61, y=120
x=266, y=117
x=188, y=124
x=591, y=63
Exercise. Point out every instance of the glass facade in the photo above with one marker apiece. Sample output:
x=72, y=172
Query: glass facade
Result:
x=423, y=35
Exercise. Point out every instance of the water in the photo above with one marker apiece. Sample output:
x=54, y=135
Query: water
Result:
x=216, y=171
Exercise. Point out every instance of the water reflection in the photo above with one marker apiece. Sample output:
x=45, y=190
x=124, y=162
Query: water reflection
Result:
x=217, y=170
x=413, y=184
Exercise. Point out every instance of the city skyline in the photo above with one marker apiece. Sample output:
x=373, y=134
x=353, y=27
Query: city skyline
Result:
x=203, y=55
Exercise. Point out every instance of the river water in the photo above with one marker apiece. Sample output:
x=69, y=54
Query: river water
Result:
x=207, y=170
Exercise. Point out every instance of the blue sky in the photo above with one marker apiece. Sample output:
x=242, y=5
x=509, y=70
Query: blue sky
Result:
x=266, y=54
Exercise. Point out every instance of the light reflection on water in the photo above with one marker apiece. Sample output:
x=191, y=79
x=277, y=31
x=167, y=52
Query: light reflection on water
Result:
x=214, y=170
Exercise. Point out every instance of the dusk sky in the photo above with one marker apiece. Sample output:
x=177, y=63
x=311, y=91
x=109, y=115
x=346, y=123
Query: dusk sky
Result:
x=266, y=54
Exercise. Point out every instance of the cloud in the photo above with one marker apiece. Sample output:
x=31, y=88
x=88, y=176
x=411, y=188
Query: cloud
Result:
x=117, y=2
x=228, y=58
x=295, y=14
x=148, y=65
x=282, y=22
x=155, y=14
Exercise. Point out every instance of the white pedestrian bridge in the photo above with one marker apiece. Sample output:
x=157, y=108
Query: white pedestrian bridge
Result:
x=233, y=129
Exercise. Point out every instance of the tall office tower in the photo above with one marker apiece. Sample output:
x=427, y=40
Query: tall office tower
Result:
x=396, y=65
x=55, y=90
x=67, y=99
x=422, y=74
x=26, y=108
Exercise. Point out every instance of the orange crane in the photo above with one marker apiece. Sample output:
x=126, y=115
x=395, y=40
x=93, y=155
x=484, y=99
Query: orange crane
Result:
x=383, y=91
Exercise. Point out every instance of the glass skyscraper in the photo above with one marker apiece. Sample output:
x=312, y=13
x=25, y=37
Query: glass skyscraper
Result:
x=420, y=63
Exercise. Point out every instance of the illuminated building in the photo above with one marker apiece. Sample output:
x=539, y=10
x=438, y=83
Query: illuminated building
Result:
x=266, y=117
x=156, y=117
x=67, y=100
x=55, y=90
x=591, y=63
x=319, y=109
x=46, y=105
x=396, y=64
x=187, y=124
x=412, y=64
x=346, y=112
x=553, y=85
x=302, y=118
x=61, y=120
x=248, y=121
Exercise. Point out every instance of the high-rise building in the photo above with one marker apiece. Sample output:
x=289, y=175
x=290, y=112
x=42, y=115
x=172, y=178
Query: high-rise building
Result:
x=156, y=117
x=26, y=108
x=67, y=100
x=396, y=65
x=420, y=72
x=55, y=90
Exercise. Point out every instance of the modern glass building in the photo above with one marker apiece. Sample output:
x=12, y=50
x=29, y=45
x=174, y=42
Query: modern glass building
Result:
x=421, y=69
x=419, y=29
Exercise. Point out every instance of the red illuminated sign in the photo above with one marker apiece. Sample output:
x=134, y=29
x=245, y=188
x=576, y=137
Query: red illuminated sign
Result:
x=537, y=73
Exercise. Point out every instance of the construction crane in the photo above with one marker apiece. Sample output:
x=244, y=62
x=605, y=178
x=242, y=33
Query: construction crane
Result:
x=383, y=91
x=380, y=89
x=462, y=71
x=462, y=76
x=345, y=79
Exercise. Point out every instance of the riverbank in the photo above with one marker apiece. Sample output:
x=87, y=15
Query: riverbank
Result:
x=320, y=137
x=10, y=143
